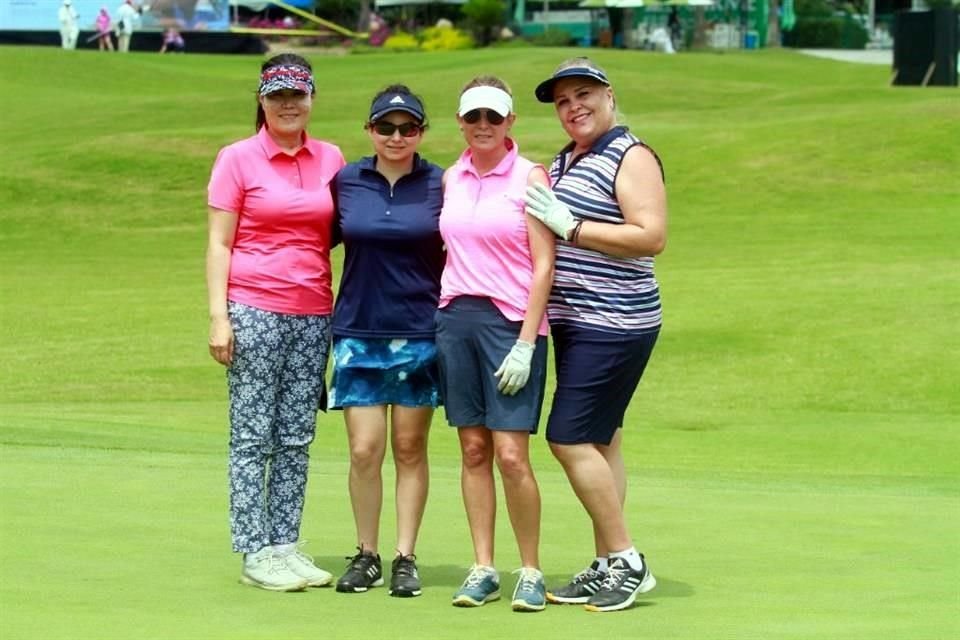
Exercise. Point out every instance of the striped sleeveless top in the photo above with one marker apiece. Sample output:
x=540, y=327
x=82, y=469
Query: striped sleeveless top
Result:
x=591, y=289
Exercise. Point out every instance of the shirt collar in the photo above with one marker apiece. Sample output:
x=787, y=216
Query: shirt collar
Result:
x=273, y=150
x=601, y=143
x=504, y=167
x=369, y=163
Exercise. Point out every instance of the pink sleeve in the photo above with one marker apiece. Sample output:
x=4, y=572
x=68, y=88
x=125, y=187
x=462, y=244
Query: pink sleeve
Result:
x=225, y=190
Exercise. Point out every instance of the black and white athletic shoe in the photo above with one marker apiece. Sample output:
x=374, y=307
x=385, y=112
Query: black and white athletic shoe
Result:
x=580, y=588
x=363, y=572
x=621, y=586
x=404, y=577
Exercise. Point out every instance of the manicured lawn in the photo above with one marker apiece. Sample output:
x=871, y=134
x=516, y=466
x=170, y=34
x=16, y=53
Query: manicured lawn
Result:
x=793, y=450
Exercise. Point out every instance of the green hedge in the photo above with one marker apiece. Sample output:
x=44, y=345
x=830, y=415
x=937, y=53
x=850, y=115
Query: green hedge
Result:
x=828, y=33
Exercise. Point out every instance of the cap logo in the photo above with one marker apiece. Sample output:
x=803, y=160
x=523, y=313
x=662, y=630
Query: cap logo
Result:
x=397, y=100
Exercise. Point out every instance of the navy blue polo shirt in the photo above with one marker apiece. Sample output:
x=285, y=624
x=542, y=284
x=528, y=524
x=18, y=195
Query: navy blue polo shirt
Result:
x=393, y=252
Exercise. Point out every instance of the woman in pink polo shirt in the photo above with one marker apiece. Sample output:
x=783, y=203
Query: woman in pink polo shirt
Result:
x=491, y=334
x=268, y=280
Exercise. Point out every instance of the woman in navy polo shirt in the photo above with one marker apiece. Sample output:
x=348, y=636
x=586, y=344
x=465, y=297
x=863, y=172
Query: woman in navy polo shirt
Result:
x=384, y=354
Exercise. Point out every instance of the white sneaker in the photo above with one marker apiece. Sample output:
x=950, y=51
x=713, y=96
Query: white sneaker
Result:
x=302, y=564
x=267, y=570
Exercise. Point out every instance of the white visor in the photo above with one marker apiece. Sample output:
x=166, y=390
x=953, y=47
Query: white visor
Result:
x=486, y=98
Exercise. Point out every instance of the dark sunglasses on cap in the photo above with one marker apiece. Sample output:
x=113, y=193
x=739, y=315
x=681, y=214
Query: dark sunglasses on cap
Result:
x=473, y=116
x=387, y=129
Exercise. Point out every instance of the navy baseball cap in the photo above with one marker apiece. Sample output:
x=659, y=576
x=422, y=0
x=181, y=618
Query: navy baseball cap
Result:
x=397, y=102
x=544, y=91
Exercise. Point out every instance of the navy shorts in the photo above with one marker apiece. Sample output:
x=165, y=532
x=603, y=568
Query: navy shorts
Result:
x=597, y=374
x=473, y=338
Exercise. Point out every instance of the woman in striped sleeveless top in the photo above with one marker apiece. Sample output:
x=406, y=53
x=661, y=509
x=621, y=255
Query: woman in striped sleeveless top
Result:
x=608, y=207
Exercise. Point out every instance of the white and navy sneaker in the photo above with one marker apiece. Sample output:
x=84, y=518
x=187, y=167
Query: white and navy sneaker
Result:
x=621, y=586
x=364, y=571
x=580, y=588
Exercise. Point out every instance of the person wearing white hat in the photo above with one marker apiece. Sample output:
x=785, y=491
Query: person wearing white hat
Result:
x=127, y=16
x=492, y=335
x=69, y=28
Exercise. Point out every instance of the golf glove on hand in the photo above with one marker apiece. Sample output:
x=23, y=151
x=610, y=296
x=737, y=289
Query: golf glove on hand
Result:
x=515, y=370
x=543, y=205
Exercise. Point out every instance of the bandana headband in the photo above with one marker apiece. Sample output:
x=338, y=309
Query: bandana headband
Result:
x=286, y=77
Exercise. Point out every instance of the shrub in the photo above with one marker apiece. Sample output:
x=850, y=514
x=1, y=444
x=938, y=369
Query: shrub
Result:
x=552, y=38
x=445, y=39
x=400, y=42
x=812, y=9
x=829, y=33
x=483, y=16
x=512, y=43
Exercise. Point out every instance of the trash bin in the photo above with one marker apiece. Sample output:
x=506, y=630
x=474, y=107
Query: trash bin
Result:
x=751, y=39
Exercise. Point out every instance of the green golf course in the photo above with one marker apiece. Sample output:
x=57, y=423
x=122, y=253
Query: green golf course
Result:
x=793, y=450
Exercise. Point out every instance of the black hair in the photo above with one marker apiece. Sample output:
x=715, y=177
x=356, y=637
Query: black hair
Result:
x=403, y=90
x=278, y=60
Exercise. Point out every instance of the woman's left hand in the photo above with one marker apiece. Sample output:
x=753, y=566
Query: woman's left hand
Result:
x=543, y=205
x=515, y=369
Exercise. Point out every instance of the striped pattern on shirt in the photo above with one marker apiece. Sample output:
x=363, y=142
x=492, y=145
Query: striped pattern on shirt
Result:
x=593, y=289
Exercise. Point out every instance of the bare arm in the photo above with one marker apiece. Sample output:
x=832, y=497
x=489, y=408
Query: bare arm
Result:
x=643, y=200
x=542, y=248
x=222, y=227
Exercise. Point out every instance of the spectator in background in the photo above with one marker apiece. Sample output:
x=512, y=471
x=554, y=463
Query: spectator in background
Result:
x=379, y=31
x=385, y=374
x=675, y=28
x=103, y=24
x=270, y=217
x=127, y=16
x=69, y=28
x=172, y=41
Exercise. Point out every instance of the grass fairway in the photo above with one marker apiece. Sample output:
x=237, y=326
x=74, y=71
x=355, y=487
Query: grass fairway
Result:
x=793, y=450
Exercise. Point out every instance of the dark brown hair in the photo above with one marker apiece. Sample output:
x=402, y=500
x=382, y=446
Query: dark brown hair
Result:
x=277, y=61
x=403, y=90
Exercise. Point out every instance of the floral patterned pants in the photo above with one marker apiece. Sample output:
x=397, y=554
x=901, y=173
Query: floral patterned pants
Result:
x=276, y=384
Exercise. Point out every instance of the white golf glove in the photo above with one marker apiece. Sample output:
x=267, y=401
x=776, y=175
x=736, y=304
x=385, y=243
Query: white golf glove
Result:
x=543, y=205
x=515, y=370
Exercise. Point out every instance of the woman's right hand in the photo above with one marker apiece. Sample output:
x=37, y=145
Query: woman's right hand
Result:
x=221, y=340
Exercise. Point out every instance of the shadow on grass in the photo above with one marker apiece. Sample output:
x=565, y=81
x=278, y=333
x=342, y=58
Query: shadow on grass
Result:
x=452, y=575
x=444, y=575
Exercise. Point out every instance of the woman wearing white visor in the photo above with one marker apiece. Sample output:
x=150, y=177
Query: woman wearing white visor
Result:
x=491, y=335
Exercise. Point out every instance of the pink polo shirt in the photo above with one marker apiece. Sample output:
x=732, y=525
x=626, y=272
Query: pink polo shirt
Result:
x=280, y=260
x=484, y=227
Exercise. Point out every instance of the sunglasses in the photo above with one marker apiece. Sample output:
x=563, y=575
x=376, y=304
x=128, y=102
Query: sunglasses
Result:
x=473, y=116
x=387, y=129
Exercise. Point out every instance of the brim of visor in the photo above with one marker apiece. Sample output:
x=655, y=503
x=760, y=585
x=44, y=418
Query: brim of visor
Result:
x=544, y=90
x=282, y=85
x=376, y=115
x=471, y=105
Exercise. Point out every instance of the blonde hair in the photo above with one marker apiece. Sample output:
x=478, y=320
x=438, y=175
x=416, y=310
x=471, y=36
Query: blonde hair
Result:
x=583, y=61
x=579, y=61
x=487, y=81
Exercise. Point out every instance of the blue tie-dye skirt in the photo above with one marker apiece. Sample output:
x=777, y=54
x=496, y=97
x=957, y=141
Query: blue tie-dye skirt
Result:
x=370, y=372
